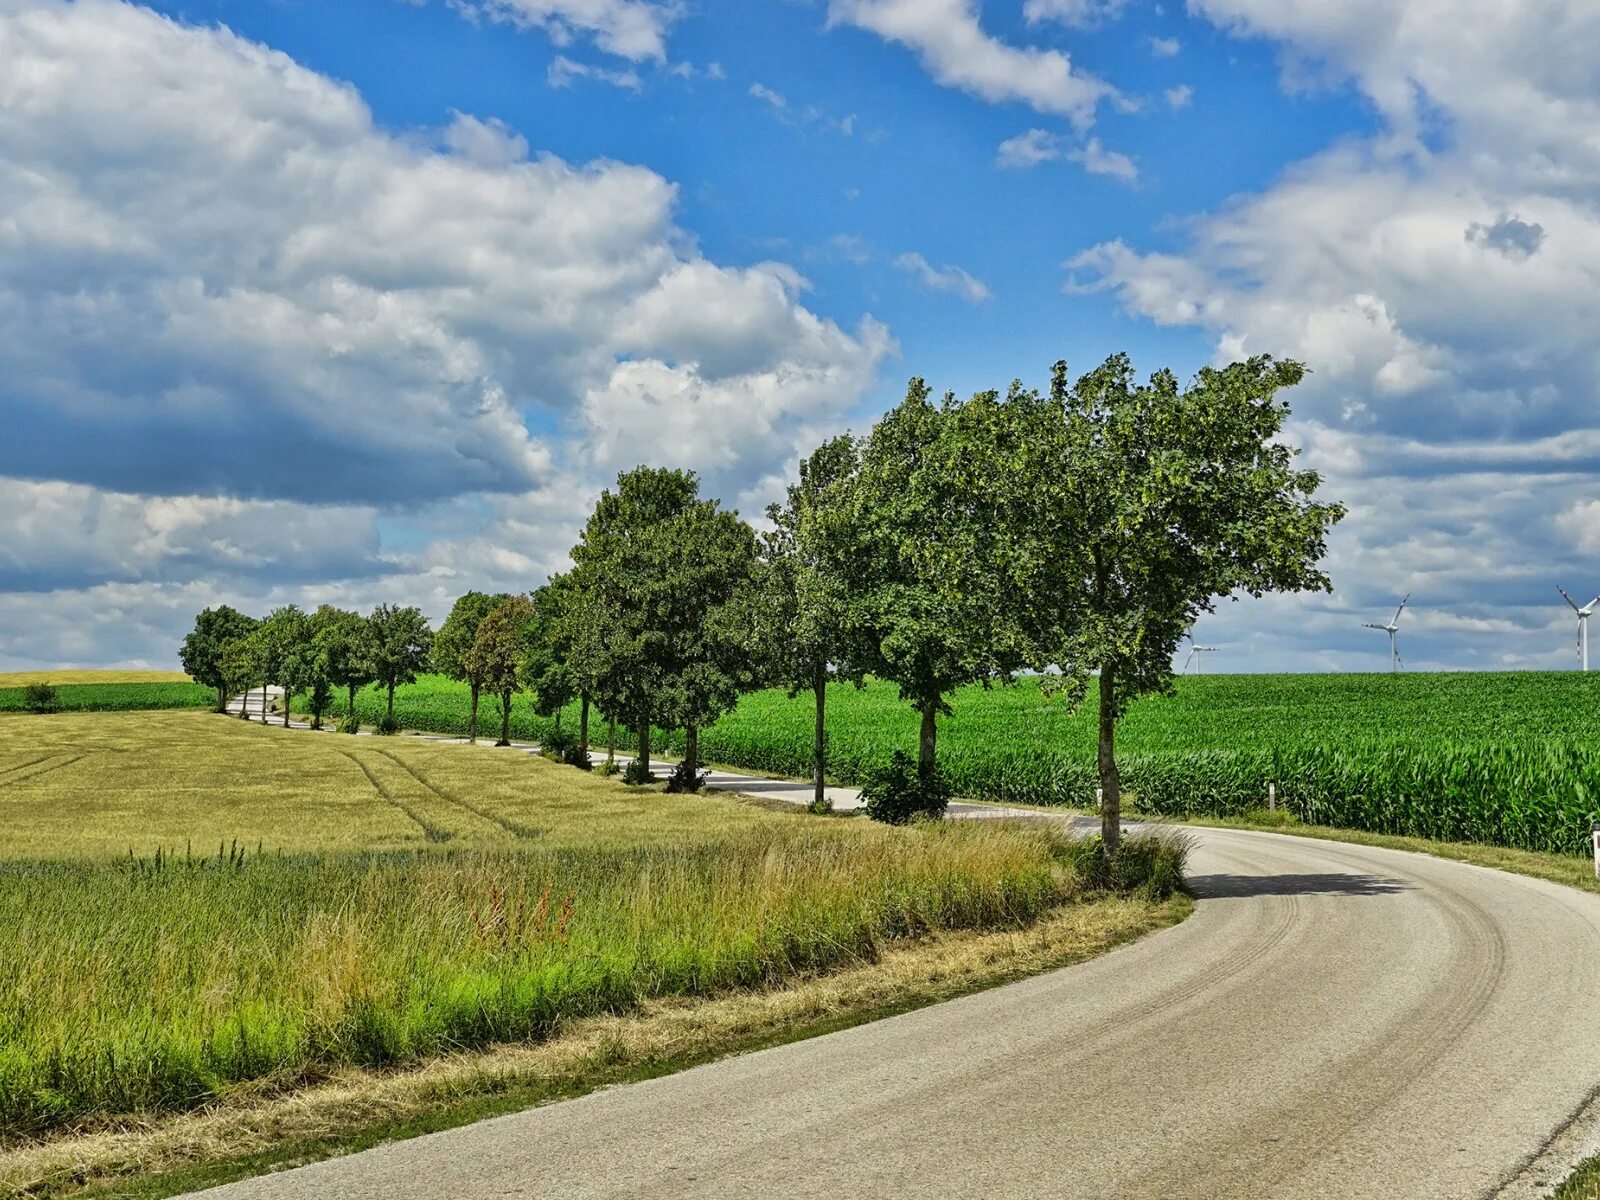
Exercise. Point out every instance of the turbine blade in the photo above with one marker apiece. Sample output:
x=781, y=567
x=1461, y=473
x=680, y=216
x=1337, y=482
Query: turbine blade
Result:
x=1401, y=609
x=1568, y=598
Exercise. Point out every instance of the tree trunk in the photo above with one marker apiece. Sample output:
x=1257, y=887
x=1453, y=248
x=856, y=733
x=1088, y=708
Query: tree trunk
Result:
x=391, y=701
x=611, y=742
x=263, y=701
x=819, y=744
x=288, y=703
x=558, y=718
x=222, y=699
x=505, y=719
x=472, y=718
x=583, y=725
x=350, y=708
x=644, y=741
x=691, y=747
x=928, y=743
x=1110, y=780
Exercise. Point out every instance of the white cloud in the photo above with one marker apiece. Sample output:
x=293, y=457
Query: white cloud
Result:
x=1439, y=278
x=1028, y=149
x=1097, y=160
x=1165, y=47
x=563, y=70
x=1179, y=97
x=631, y=29
x=950, y=42
x=1080, y=14
x=767, y=96
x=951, y=279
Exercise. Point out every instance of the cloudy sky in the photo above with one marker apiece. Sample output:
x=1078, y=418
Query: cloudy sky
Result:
x=361, y=301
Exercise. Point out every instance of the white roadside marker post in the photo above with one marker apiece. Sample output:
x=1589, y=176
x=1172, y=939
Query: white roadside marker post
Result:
x=1099, y=799
x=1272, y=797
x=1597, y=849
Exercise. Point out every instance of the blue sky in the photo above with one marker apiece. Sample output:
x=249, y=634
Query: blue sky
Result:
x=365, y=301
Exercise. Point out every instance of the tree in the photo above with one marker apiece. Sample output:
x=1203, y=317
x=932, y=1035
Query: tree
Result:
x=906, y=623
x=343, y=646
x=241, y=665
x=497, y=654
x=1152, y=502
x=802, y=614
x=659, y=561
x=201, y=653
x=284, y=637
x=452, y=647
x=399, y=648
x=574, y=624
x=545, y=670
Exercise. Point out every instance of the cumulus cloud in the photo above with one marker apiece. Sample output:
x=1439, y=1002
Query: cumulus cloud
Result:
x=563, y=70
x=1028, y=149
x=1094, y=158
x=1080, y=14
x=1439, y=279
x=950, y=42
x=1179, y=97
x=1165, y=47
x=216, y=260
x=951, y=279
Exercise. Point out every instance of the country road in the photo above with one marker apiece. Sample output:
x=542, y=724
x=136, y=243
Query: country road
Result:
x=1333, y=1021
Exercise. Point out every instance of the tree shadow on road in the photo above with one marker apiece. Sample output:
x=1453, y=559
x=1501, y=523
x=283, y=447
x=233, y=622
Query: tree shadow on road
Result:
x=1229, y=887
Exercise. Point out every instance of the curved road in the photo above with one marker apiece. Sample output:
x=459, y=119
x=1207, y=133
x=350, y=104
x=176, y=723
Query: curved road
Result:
x=1333, y=1021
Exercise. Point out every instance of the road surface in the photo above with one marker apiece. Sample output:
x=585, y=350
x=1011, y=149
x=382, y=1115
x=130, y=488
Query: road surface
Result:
x=1333, y=1021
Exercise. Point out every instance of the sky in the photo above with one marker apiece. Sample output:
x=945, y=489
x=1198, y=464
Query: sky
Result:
x=360, y=302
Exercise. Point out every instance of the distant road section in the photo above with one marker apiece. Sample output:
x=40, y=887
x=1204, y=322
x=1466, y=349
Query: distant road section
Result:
x=1334, y=1021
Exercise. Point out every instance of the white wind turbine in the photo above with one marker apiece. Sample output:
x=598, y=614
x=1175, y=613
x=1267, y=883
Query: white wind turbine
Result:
x=1392, y=628
x=1193, y=650
x=1583, y=624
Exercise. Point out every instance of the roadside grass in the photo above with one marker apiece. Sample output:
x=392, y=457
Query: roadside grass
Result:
x=400, y=901
x=1584, y=1184
x=17, y=679
x=256, y=1130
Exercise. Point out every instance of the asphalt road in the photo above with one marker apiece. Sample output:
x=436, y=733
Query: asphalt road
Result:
x=1333, y=1021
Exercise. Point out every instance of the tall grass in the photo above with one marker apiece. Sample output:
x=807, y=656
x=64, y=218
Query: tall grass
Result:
x=155, y=985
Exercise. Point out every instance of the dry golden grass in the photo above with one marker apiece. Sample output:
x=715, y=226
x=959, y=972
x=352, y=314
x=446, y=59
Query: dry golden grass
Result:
x=13, y=679
x=353, y=1104
x=79, y=785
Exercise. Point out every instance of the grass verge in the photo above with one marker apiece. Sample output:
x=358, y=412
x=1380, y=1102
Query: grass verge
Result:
x=350, y=1109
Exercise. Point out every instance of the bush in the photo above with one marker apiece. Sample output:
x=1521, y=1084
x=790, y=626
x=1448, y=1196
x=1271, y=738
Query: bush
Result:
x=897, y=792
x=821, y=808
x=608, y=768
x=351, y=724
x=576, y=756
x=40, y=697
x=637, y=773
x=557, y=744
x=683, y=779
x=1148, y=865
x=388, y=726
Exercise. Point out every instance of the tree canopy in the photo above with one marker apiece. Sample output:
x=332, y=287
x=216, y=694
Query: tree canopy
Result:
x=202, y=651
x=399, y=647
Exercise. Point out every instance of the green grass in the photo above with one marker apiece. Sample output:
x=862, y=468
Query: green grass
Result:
x=1583, y=1184
x=115, y=696
x=1507, y=759
x=397, y=899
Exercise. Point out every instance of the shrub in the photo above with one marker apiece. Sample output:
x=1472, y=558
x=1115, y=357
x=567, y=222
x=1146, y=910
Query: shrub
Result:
x=576, y=756
x=1148, y=865
x=351, y=724
x=896, y=792
x=637, y=773
x=608, y=768
x=40, y=697
x=682, y=779
x=557, y=744
x=821, y=808
x=388, y=726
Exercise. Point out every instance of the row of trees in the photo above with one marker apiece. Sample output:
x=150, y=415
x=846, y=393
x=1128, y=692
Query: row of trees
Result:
x=1077, y=532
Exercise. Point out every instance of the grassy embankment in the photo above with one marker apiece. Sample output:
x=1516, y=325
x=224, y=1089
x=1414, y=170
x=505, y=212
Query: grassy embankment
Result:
x=1501, y=759
x=206, y=915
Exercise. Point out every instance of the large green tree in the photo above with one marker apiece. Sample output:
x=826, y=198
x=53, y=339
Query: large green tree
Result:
x=497, y=654
x=284, y=639
x=241, y=665
x=907, y=624
x=452, y=646
x=662, y=563
x=201, y=652
x=1153, y=501
x=400, y=646
x=343, y=645
x=801, y=617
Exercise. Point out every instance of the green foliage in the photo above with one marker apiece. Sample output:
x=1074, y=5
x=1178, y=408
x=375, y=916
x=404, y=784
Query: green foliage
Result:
x=350, y=724
x=1148, y=865
x=399, y=643
x=637, y=773
x=899, y=791
x=202, y=650
x=342, y=644
x=607, y=768
x=685, y=778
x=452, y=645
x=388, y=725
x=40, y=697
x=114, y=697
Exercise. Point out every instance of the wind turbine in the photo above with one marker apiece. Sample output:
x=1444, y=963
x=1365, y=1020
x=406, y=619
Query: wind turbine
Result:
x=1392, y=628
x=1193, y=650
x=1583, y=624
